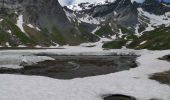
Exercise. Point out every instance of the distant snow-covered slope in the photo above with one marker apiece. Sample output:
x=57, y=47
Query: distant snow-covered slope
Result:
x=121, y=19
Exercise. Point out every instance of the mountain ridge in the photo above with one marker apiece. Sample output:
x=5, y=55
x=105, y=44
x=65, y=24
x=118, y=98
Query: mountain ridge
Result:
x=46, y=23
x=47, y=16
x=124, y=19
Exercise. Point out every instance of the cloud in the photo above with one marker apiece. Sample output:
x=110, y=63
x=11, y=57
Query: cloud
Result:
x=62, y=2
x=140, y=1
x=65, y=2
x=69, y=2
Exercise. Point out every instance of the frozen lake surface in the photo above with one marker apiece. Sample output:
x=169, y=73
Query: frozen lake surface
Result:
x=74, y=66
x=82, y=74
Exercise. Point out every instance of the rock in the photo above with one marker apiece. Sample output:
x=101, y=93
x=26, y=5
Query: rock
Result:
x=163, y=77
x=47, y=20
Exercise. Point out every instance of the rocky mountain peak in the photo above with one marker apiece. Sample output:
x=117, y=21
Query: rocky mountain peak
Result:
x=124, y=3
x=39, y=12
x=155, y=6
x=152, y=2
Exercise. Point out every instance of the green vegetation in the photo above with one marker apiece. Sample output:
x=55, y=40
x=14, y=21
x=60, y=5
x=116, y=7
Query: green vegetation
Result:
x=83, y=37
x=141, y=29
x=58, y=36
x=119, y=43
x=115, y=44
x=125, y=30
x=84, y=33
x=38, y=37
x=15, y=30
x=4, y=37
x=104, y=30
x=131, y=37
x=155, y=40
x=86, y=36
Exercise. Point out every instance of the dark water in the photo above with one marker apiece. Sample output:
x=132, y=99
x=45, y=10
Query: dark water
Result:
x=69, y=67
x=119, y=97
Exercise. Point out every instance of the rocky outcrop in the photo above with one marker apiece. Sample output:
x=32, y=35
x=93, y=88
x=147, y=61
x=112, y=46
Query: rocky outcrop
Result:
x=43, y=13
x=44, y=21
x=120, y=12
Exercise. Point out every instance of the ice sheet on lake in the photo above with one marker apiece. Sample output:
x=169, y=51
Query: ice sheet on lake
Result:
x=14, y=61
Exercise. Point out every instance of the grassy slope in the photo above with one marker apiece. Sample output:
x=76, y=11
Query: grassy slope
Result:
x=158, y=39
x=4, y=37
x=119, y=43
x=43, y=37
x=15, y=30
x=115, y=44
x=38, y=37
x=86, y=36
x=58, y=36
x=104, y=31
x=154, y=40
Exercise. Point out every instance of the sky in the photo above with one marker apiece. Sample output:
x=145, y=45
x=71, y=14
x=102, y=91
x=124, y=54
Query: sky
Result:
x=167, y=0
x=69, y=2
x=66, y=2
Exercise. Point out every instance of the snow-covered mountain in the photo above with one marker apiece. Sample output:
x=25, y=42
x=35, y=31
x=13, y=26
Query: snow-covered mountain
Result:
x=123, y=12
x=112, y=24
x=123, y=20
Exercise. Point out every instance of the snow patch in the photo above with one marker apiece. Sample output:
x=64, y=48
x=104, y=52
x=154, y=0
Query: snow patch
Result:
x=22, y=46
x=87, y=4
x=9, y=31
x=91, y=20
x=14, y=60
x=156, y=20
x=137, y=30
x=96, y=29
x=142, y=42
x=7, y=44
x=120, y=33
x=1, y=20
x=31, y=26
x=20, y=23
